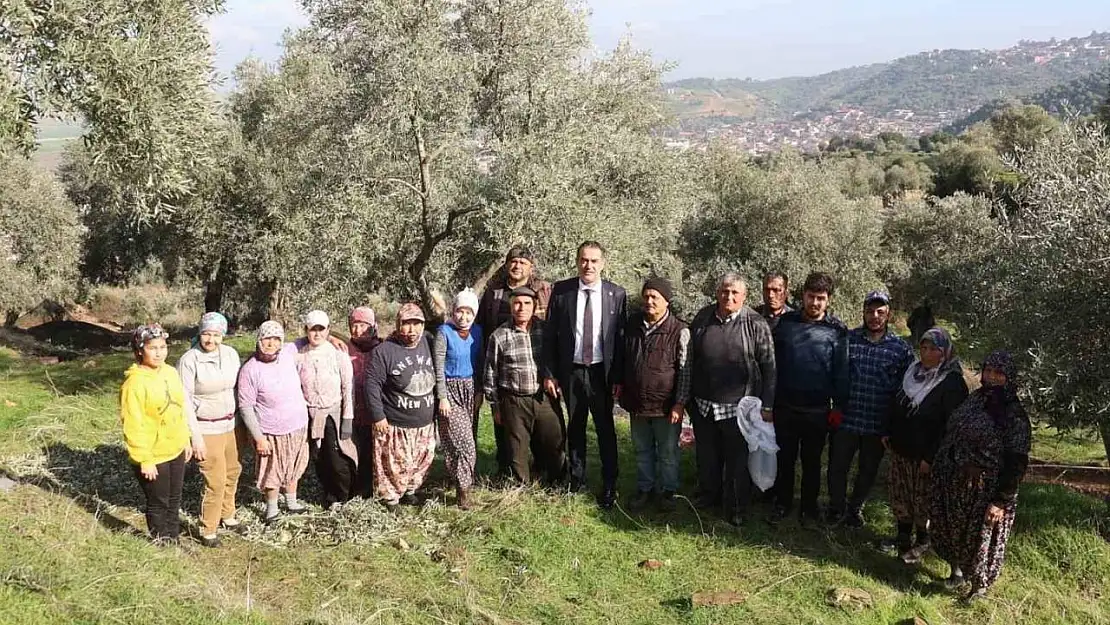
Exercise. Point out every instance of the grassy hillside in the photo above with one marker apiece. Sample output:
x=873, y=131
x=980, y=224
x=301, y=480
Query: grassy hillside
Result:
x=71, y=549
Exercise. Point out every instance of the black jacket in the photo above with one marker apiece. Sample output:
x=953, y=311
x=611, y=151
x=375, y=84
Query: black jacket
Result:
x=811, y=358
x=558, y=339
x=916, y=433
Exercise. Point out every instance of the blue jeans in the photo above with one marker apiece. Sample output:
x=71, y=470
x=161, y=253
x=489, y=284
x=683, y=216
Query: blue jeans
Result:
x=656, y=440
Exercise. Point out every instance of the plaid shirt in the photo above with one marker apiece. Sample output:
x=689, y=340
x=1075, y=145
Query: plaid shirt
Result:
x=875, y=370
x=512, y=361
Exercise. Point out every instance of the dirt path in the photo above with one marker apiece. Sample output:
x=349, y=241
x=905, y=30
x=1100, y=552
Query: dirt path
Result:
x=1088, y=480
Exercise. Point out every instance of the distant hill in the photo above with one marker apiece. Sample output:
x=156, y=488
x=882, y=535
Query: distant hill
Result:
x=955, y=82
x=1081, y=96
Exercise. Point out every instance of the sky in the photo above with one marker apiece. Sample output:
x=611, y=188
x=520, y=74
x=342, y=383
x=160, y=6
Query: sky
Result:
x=750, y=38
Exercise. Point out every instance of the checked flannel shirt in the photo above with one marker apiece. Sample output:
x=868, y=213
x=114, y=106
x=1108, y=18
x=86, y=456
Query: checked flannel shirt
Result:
x=512, y=361
x=875, y=371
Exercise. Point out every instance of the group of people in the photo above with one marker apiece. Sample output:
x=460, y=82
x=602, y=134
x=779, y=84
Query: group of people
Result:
x=370, y=413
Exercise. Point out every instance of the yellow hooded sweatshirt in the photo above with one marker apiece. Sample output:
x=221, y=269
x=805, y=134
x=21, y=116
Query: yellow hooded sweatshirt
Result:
x=152, y=408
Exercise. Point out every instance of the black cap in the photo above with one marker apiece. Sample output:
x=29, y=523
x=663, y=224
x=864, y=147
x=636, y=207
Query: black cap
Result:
x=519, y=251
x=523, y=291
x=877, y=297
x=662, y=285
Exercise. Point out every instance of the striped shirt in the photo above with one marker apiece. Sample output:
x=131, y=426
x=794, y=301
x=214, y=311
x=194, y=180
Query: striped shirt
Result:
x=512, y=361
x=875, y=370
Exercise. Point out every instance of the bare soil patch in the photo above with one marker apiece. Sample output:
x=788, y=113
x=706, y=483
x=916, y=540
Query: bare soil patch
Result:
x=1088, y=480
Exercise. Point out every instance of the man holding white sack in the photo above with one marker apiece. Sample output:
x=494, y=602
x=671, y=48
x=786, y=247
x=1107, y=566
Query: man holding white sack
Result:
x=732, y=356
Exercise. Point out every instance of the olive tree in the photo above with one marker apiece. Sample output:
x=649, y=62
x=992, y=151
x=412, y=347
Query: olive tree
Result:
x=40, y=238
x=947, y=245
x=137, y=73
x=1052, y=276
x=791, y=216
x=404, y=146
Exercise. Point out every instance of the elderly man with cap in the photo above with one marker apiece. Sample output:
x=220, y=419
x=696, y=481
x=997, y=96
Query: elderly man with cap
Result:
x=363, y=326
x=655, y=348
x=494, y=311
x=326, y=381
x=877, y=362
x=732, y=356
x=274, y=411
x=208, y=372
x=513, y=385
x=400, y=391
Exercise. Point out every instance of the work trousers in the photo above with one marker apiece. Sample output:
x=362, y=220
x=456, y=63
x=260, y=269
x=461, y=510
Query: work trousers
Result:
x=536, y=434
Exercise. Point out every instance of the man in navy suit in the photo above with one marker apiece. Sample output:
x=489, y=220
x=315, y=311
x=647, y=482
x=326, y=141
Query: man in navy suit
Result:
x=583, y=345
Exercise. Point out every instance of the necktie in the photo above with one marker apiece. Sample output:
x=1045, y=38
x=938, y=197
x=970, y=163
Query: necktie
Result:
x=587, y=330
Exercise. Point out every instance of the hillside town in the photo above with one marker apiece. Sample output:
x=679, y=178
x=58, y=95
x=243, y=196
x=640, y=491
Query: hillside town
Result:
x=807, y=134
x=737, y=120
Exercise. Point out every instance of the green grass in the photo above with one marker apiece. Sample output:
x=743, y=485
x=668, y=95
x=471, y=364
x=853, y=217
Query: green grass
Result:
x=71, y=549
x=1075, y=447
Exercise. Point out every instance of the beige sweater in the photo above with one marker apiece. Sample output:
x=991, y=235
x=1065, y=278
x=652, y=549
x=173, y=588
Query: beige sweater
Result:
x=209, y=381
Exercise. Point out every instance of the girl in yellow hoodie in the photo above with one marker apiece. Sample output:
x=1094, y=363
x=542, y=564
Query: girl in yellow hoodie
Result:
x=156, y=431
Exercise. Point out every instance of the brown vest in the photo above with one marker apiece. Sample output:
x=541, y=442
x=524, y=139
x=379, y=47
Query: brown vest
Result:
x=650, y=366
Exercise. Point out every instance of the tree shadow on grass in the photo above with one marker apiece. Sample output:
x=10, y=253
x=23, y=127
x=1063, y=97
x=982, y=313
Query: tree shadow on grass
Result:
x=852, y=549
x=99, y=480
x=1044, y=506
x=102, y=480
x=1040, y=507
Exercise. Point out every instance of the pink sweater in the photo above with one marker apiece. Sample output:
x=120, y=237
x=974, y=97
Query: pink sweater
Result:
x=274, y=390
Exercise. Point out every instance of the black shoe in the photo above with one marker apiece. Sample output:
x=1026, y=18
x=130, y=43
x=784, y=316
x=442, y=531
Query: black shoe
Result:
x=410, y=499
x=211, y=543
x=666, y=502
x=641, y=500
x=854, y=519
x=578, y=487
x=270, y=520
x=235, y=528
x=955, y=580
x=737, y=519
x=607, y=498
x=888, y=546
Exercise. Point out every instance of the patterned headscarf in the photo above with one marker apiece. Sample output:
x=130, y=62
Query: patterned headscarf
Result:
x=212, y=322
x=142, y=335
x=1000, y=397
x=268, y=329
x=918, y=381
x=365, y=314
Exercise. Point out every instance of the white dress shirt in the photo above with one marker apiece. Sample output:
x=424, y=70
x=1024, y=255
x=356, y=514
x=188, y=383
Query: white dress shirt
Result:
x=597, y=308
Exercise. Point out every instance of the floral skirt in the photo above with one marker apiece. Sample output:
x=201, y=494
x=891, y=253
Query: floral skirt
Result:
x=287, y=461
x=910, y=491
x=456, y=432
x=402, y=459
x=959, y=532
